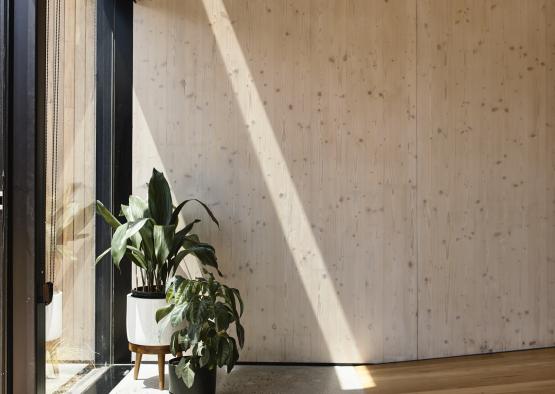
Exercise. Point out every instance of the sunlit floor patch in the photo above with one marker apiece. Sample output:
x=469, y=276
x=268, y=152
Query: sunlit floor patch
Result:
x=354, y=378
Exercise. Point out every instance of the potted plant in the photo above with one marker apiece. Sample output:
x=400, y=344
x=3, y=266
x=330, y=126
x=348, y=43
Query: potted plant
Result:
x=150, y=239
x=208, y=309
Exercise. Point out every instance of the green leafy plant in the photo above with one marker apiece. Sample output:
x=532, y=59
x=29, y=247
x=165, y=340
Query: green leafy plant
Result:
x=150, y=239
x=209, y=308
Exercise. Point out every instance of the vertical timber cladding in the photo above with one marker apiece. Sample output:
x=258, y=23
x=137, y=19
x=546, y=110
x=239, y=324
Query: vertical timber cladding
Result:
x=307, y=155
x=304, y=139
x=73, y=267
x=486, y=176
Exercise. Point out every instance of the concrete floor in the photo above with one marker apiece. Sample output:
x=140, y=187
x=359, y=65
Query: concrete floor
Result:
x=530, y=371
x=246, y=379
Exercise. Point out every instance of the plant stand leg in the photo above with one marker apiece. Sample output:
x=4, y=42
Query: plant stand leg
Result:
x=138, y=358
x=161, y=364
x=160, y=351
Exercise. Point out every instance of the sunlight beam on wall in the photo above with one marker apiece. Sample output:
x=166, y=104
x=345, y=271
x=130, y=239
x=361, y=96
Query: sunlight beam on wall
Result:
x=294, y=222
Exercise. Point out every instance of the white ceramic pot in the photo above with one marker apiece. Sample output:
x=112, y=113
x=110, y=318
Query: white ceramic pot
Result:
x=142, y=328
x=53, y=317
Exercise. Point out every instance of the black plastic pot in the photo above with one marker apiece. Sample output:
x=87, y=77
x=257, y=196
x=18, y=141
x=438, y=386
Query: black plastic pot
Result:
x=205, y=380
x=143, y=292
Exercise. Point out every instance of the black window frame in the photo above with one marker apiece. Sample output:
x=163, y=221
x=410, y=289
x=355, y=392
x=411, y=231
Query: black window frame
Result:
x=113, y=172
x=22, y=79
x=24, y=212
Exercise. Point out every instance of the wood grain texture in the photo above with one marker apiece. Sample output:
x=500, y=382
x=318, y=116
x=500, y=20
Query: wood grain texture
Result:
x=74, y=262
x=334, y=84
x=485, y=176
x=529, y=371
x=356, y=151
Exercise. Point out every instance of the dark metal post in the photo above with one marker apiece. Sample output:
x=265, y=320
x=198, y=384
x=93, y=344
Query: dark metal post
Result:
x=123, y=132
x=25, y=192
x=113, y=176
x=4, y=21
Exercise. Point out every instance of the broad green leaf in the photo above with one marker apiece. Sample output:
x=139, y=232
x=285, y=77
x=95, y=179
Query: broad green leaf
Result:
x=174, y=343
x=192, y=311
x=240, y=333
x=177, y=210
x=177, y=314
x=125, y=212
x=138, y=208
x=193, y=240
x=224, y=352
x=222, y=316
x=135, y=236
x=173, y=285
x=163, y=238
x=147, y=242
x=163, y=312
x=134, y=227
x=193, y=333
x=183, y=293
x=184, y=371
x=238, y=296
x=131, y=216
x=183, y=338
x=159, y=198
x=101, y=255
x=179, y=341
x=136, y=257
x=227, y=293
x=234, y=356
x=107, y=215
x=119, y=244
x=206, y=257
x=205, y=358
x=121, y=235
x=203, y=313
x=193, y=237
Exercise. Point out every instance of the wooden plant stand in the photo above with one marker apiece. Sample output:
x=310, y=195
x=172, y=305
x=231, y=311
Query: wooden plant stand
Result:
x=161, y=351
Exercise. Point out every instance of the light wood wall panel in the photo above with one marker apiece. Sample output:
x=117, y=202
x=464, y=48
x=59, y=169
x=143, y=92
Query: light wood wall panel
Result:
x=337, y=83
x=486, y=178
x=416, y=138
x=74, y=268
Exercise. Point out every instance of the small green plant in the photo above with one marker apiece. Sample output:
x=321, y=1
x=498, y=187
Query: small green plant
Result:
x=149, y=238
x=209, y=308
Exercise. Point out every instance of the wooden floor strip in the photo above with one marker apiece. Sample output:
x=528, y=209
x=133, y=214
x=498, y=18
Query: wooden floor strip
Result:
x=514, y=372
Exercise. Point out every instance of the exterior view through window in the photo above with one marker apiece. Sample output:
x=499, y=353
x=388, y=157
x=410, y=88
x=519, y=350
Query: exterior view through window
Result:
x=70, y=188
